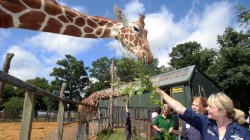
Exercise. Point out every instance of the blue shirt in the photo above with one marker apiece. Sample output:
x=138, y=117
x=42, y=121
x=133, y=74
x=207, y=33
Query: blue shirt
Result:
x=209, y=128
x=188, y=132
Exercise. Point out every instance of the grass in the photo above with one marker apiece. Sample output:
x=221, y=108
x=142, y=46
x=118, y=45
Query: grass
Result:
x=117, y=134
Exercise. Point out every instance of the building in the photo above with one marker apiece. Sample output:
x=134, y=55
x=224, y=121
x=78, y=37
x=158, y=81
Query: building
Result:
x=182, y=84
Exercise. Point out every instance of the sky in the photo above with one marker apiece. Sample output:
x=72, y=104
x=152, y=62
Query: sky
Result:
x=169, y=23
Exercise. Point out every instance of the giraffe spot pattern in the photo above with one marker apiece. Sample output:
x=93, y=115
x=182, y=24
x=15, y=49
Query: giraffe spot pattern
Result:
x=52, y=10
x=37, y=17
x=53, y=23
x=88, y=30
x=35, y=5
x=17, y=7
x=63, y=19
x=80, y=21
x=92, y=24
x=72, y=30
x=8, y=22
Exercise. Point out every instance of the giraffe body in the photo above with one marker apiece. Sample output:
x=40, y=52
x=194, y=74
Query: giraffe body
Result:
x=93, y=101
x=49, y=16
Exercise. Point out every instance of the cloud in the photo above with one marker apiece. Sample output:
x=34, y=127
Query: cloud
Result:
x=205, y=26
x=164, y=33
x=25, y=65
x=37, y=55
x=81, y=9
x=52, y=47
x=133, y=9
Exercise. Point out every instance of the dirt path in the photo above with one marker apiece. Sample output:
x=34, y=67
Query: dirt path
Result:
x=11, y=130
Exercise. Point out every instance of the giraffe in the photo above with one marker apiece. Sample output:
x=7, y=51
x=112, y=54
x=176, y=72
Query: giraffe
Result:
x=92, y=101
x=49, y=16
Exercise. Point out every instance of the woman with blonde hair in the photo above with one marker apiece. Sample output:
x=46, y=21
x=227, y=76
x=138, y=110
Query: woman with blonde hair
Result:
x=221, y=123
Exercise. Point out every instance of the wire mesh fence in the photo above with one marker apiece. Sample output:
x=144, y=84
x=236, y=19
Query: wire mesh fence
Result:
x=74, y=129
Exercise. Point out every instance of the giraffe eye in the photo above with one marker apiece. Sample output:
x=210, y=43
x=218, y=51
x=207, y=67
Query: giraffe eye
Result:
x=136, y=29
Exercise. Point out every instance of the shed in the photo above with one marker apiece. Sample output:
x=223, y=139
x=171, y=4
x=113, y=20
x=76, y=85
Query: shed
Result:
x=182, y=84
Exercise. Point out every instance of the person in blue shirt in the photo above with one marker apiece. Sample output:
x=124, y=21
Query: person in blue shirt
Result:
x=223, y=121
x=188, y=132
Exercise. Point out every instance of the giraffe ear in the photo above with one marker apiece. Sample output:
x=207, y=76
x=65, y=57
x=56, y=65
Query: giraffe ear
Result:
x=120, y=15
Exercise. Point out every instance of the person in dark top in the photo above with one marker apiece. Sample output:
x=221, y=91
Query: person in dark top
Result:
x=127, y=124
x=176, y=122
x=153, y=116
x=223, y=121
x=176, y=119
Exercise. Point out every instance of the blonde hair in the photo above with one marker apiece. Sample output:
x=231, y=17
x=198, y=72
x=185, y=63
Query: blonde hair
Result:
x=166, y=107
x=223, y=102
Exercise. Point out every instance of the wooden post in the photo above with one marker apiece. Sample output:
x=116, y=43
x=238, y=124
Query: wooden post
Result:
x=60, y=116
x=106, y=116
x=6, y=67
x=87, y=127
x=99, y=120
x=27, y=117
x=111, y=97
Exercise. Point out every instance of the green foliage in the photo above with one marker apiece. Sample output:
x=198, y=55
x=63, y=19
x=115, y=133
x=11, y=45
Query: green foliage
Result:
x=10, y=91
x=168, y=136
x=104, y=134
x=231, y=70
x=72, y=72
x=100, y=71
x=141, y=84
x=126, y=70
x=14, y=103
x=42, y=103
x=243, y=14
x=191, y=53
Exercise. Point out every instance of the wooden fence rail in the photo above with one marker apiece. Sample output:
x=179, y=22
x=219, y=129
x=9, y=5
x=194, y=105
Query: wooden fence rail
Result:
x=29, y=104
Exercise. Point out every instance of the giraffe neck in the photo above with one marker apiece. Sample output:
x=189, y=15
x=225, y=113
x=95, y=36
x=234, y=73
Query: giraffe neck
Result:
x=48, y=16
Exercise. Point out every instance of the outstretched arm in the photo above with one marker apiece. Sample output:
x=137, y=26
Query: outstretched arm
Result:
x=127, y=109
x=174, y=104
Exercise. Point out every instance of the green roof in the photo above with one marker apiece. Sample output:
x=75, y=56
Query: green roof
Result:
x=170, y=78
x=173, y=77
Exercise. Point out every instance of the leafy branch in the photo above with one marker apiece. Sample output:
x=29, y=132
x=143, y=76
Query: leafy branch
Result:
x=141, y=84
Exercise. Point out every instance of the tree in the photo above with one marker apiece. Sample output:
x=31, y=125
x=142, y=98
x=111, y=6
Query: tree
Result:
x=42, y=102
x=13, y=107
x=100, y=71
x=191, y=53
x=232, y=68
x=243, y=14
x=74, y=74
x=11, y=92
x=126, y=70
x=14, y=103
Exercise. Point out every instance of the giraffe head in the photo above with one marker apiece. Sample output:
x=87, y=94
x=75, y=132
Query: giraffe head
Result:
x=133, y=36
